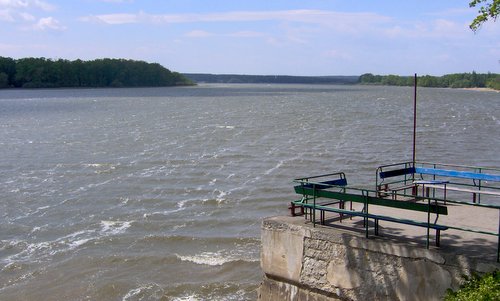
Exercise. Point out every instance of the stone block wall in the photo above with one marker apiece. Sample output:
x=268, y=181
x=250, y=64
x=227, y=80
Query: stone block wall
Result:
x=305, y=263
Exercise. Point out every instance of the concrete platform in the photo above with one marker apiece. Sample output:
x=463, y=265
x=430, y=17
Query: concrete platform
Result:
x=336, y=261
x=471, y=244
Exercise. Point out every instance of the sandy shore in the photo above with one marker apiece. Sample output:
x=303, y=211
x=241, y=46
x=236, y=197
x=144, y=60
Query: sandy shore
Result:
x=482, y=89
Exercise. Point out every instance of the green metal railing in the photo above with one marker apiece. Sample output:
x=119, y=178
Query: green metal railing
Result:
x=311, y=190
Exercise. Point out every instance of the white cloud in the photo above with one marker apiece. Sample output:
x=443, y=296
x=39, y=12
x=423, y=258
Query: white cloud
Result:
x=238, y=34
x=25, y=4
x=24, y=11
x=43, y=5
x=112, y=19
x=6, y=15
x=27, y=17
x=246, y=34
x=198, y=34
x=13, y=3
x=49, y=23
x=341, y=21
x=438, y=29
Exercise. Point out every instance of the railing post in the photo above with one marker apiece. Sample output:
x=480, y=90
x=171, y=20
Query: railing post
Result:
x=366, y=212
x=314, y=206
x=498, y=244
x=428, y=220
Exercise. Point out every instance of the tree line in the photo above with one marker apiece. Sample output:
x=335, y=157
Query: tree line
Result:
x=270, y=79
x=47, y=73
x=457, y=80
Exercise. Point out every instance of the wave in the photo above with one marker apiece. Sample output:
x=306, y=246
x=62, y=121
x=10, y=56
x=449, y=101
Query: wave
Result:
x=143, y=292
x=25, y=251
x=229, y=127
x=227, y=291
x=215, y=240
x=217, y=258
x=114, y=227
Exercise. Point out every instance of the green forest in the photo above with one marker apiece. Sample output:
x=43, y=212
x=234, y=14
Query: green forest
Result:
x=47, y=73
x=457, y=80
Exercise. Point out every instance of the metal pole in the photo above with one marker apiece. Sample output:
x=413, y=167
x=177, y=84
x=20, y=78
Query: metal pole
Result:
x=498, y=244
x=414, y=117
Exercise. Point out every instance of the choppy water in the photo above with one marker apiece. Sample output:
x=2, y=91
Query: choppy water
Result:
x=158, y=194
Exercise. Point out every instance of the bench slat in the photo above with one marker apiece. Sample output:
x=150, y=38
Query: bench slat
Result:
x=327, y=184
x=436, y=209
x=396, y=172
x=489, y=192
x=457, y=174
x=377, y=217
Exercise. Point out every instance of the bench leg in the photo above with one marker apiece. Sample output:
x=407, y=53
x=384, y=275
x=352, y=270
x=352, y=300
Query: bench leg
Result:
x=341, y=206
x=376, y=226
x=292, y=209
x=438, y=237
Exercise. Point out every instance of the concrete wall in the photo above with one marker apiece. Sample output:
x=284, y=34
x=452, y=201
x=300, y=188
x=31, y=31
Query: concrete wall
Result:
x=305, y=263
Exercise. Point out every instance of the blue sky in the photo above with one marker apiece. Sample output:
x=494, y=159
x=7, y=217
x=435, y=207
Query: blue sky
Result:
x=317, y=37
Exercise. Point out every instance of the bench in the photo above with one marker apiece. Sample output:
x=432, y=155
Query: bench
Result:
x=340, y=181
x=405, y=181
x=410, y=174
x=474, y=189
x=430, y=208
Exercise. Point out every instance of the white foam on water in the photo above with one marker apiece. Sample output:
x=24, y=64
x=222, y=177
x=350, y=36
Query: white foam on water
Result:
x=206, y=258
x=216, y=258
x=77, y=243
x=229, y=127
x=150, y=291
x=269, y=171
x=164, y=212
x=220, y=195
x=192, y=297
x=114, y=227
x=35, y=229
x=39, y=251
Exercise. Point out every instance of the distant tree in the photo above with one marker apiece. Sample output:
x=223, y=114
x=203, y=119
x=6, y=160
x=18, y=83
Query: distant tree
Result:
x=8, y=66
x=457, y=80
x=367, y=78
x=494, y=83
x=4, y=80
x=45, y=73
x=488, y=9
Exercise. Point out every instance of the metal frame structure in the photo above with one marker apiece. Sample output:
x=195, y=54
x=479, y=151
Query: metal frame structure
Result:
x=336, y=191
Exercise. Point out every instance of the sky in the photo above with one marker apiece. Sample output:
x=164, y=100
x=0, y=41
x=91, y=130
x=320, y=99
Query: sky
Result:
x=265, y=37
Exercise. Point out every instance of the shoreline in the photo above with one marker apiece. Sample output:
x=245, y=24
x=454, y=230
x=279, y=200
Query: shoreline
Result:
x=481, y=89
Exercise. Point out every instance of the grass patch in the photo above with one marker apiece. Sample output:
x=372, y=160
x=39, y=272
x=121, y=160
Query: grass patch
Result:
x=477, y=288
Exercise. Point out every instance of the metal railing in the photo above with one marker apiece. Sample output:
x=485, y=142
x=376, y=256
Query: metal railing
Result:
x=311, y=190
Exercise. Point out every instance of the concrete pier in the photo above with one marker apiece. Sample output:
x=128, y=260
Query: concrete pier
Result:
x=337, y=262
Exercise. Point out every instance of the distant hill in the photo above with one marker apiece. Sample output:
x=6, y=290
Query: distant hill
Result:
x=269, y=79
x=47, y=73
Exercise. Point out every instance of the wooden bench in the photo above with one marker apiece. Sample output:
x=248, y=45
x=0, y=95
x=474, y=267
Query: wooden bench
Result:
x=308, y=192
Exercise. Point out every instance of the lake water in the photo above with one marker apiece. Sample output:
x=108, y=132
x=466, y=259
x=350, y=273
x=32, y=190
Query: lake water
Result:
x=159, y=193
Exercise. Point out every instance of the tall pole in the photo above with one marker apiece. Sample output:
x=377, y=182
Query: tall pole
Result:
x=414, y=117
